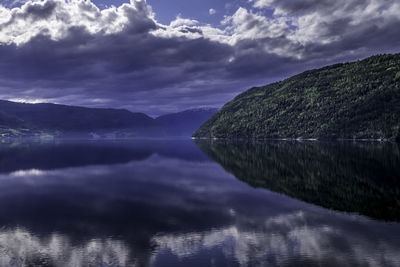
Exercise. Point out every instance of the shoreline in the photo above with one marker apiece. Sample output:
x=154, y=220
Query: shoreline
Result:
x=380, y=140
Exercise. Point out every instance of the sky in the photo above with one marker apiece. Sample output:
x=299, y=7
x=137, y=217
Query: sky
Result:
x=159, y=56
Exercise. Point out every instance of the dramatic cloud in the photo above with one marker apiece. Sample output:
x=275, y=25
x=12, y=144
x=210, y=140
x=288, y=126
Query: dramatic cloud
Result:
x=72, y=52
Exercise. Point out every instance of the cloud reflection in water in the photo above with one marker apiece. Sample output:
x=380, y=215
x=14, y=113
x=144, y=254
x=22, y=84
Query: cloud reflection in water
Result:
x=169, y=210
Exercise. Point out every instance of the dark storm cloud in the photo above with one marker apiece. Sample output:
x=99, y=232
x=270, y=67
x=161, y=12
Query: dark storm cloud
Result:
x=192, y=30
x=74, y=53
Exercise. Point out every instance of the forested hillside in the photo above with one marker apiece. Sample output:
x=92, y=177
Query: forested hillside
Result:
x=53, y=120
x=19, y=119
x=351, y=100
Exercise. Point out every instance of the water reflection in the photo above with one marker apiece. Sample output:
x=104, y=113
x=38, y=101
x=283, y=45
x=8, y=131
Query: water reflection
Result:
x=354, y=177
x=45, y=155
x=172, y=207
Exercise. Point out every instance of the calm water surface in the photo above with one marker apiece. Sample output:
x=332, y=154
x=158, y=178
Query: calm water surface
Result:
x=185, y=203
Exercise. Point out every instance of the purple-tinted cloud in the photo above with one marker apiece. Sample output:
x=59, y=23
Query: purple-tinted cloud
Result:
x=75, y=53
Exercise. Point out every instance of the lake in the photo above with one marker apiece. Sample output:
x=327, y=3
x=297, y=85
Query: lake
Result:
x=199, y=203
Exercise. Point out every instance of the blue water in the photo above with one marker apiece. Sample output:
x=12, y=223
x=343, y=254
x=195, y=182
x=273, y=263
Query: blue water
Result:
x=178, y=203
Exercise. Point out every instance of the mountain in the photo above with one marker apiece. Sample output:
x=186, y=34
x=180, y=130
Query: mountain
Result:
x=6, y=119
x=17, y=119
x=185, y=123
x=44, y=119
x=350, y=100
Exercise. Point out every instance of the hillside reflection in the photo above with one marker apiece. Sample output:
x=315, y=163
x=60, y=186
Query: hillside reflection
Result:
x=354, y=177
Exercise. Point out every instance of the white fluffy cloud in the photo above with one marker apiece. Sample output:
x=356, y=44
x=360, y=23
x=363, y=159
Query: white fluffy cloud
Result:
x=323, y=21
x=55, y=17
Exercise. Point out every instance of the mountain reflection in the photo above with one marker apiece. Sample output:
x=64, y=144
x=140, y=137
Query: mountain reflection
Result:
x=35, y=155
x=173, y=207
x=354, y=177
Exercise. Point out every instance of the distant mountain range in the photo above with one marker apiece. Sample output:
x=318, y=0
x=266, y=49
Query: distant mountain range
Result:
x=185, y=123
x=344, y=101
x=52, y=120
